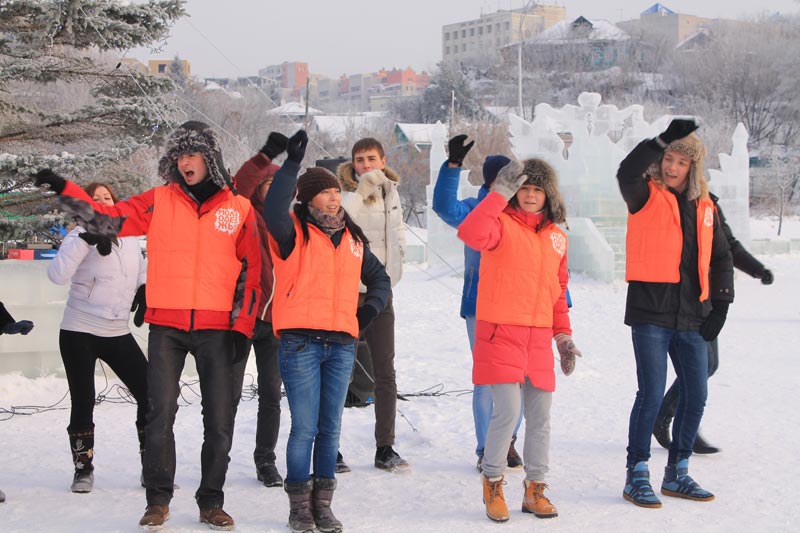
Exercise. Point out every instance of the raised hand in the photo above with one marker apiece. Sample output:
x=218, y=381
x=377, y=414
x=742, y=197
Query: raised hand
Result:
x=678, y=129
x=48, y=177
x=275, y=145
x=296, y=147
x=509, y=179
x=458, y=150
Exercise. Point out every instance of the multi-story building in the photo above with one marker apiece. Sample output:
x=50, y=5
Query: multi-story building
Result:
x=161, y=67
x=479, y=41
x=288, y=75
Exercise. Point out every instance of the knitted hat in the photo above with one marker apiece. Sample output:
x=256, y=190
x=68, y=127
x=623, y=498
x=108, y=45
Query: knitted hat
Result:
x=541, y=174
x=491, y=166
x=313, y=181
x=692, y=147
x=194, y=137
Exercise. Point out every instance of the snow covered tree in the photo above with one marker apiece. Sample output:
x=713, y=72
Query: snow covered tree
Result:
x=67, y=101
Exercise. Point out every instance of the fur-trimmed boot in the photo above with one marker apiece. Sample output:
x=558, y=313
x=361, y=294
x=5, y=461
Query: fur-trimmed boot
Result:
x=300, y=518
x=321, y=498
x=82, y=445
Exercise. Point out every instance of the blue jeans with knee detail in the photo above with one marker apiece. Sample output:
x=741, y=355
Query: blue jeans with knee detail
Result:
x=315, y=374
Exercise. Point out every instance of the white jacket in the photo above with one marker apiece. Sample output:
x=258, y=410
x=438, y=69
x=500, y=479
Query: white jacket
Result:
x=377, y=210
x=103, y=286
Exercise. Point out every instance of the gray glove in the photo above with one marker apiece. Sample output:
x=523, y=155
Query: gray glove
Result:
x=567, y=352
x=509, y=180
x=369, y=182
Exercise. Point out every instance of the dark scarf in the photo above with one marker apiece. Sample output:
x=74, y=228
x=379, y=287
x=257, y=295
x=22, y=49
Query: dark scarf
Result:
x=204, y=190
x=329, y=224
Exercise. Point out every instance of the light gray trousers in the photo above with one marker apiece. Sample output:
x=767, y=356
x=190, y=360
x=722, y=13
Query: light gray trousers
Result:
x=536, y=453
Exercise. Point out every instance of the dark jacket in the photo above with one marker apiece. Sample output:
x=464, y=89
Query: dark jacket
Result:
x=742, y=259
x=673, y=305
x=281, y=227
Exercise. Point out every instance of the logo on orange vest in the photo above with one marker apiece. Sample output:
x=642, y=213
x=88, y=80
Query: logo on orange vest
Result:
x=357, y=247
x=227, y=220
x=559, y=243
x=708, y=217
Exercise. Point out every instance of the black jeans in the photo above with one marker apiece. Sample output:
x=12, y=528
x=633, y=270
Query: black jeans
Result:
x=670, y=402
x=266, y=345
x=213, y=353
x=380, y=339
x=80, y=352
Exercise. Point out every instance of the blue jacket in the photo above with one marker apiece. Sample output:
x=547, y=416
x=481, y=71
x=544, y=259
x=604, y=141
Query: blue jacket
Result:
x=453, y=211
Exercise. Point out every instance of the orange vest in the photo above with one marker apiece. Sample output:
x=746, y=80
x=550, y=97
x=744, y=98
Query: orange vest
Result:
x=316, y=287
x=518, y=282
x=192, y=260
x=654, y=242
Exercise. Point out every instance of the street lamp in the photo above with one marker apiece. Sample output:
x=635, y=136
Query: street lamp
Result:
x=526, y=6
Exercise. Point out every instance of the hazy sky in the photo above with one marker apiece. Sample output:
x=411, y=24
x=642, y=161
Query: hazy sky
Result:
x=237, y=37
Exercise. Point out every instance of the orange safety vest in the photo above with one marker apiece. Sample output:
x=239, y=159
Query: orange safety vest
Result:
x=316, y=287
x=518, y=282
x=654, y=242
x=192, y=260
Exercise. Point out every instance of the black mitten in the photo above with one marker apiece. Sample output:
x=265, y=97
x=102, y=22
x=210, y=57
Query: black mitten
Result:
x=23, y=327
x=276, y=144
x=48, y=177
x=365, y=314
x=296, y=147
x=710, y=329
x=458, y=150
x=139, y=306
x=102, y=242
x=678, y=129
x=766, y=277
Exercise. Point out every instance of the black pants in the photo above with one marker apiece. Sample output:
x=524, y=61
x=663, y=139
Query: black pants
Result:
x=213, y=353
x=80, y=352
x=380, y=339
x=670, y=402
x=266, y=346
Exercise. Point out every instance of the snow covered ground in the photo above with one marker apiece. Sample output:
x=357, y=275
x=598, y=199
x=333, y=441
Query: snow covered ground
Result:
x=751, y=414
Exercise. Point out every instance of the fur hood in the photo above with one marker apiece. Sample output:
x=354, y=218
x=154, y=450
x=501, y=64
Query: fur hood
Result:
x=191, y=137
x=540, y=173
x=692, y=147
x=347, y=176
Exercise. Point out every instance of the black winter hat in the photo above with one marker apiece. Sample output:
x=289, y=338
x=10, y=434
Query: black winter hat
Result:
x=194, y=137
x=491, y=166
x=313, y=181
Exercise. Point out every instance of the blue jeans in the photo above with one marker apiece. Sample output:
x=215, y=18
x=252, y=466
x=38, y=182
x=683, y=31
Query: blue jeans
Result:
x=482, y=403
x=315, y=374
x=689, y=354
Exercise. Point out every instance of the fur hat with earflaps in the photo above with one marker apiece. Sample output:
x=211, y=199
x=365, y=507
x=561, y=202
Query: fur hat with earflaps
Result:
x=194, y=137
x=692, y=147
x=541, y=174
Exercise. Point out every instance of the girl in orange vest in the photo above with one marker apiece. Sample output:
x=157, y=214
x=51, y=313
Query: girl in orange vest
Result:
x=521, y=308
x=320, y=255
x=680, y=281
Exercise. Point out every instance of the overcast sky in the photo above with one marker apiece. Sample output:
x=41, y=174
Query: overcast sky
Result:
x=237, y=37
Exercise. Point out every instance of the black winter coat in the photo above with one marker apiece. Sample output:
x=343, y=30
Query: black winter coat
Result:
x=673, y=305
x=742, y=259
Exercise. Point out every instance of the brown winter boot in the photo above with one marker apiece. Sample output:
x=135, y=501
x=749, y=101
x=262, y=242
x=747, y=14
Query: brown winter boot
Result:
x=496, y=508
x=536, y=502
x=216, y=518
x=513, y=459
x=154, y=516
x=300, y=517
x=321, y=498
x=82, y=445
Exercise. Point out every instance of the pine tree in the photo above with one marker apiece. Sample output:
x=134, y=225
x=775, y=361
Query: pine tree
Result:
x=66, y=100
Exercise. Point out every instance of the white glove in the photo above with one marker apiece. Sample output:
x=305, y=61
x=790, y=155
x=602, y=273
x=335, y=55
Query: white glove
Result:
x=567, y=352
x=370, y=182
x=509, y=180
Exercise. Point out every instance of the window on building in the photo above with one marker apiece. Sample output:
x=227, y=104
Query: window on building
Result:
x=447, y=36
x=463, y=34
x=480, y=30
x=508, y=25
x=472, y=32
x=489, y=28
x=162, y=68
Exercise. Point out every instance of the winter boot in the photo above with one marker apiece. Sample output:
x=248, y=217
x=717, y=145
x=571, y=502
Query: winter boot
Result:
x=140, y=434
x=82, y=445
x=217, y=519
x=300, y=518
x=536, y=502
x=513, y=458
x=638, y=489
x=496, y=508
x=154, y=517
x=701, y=447
x=479, y=466
x=321, y=498
x=679, y=484
x=661, y=432
x=388, y=459
x=341, y=466
x=268, y=474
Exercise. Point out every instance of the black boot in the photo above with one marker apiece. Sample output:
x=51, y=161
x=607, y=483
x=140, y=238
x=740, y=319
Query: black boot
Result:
x=321, y=498
x=140, y=434
x=300, y=517
x=661, y=432
x=82, y=445
x=701, y=447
